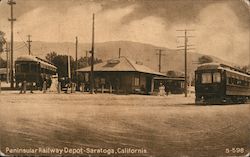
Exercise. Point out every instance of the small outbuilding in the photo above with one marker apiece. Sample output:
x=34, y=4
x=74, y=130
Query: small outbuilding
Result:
x=174, y=85
x=120, y=75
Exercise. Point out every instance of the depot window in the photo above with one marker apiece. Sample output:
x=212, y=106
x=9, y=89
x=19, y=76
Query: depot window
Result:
x=216, y=77
x=137, y=81
x=206, y=78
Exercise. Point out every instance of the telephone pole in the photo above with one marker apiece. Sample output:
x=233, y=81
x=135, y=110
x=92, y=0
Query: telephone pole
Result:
x=76, y=56
x=119, y=52
x=160, y=55
x=69, y=68
x=11, y=19
x=92, y=57
x=29, y=44
x=185, y=53
x=8, y=62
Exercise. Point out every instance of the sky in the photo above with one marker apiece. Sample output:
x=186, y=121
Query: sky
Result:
x=221, y=26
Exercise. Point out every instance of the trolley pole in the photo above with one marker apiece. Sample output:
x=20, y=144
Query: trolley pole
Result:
x=92, y=57
x=11, y=19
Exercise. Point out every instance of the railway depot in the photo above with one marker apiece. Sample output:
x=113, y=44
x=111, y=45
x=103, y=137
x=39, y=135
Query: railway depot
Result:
x=124, y=78
x=122, y=75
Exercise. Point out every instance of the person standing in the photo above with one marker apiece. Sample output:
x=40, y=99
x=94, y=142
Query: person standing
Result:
x=162, y=90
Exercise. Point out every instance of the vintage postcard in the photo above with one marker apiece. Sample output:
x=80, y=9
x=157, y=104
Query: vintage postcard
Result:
x=124, y=78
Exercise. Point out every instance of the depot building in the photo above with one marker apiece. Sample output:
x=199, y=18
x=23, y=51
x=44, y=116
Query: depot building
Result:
x=120, y=75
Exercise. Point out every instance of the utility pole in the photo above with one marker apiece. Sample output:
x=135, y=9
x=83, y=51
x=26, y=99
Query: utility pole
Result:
x=69, y=72
x=119, y=52
x=11, y=19
x=185, y=54
x=76, y=58
x=92, y=57
x=160, y=55
x=29, y=44
x=8, y=62
x=86, y=56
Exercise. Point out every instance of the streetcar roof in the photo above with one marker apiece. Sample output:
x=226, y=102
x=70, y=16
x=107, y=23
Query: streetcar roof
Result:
x=35, y=59
x=207, y=66
x=236, y=72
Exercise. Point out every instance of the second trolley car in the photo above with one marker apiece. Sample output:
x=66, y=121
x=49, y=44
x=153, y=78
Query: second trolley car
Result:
x=221, y=84
x=34, y=70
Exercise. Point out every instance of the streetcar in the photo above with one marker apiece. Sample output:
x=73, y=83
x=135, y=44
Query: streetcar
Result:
x=221, y=84
x=34, y=70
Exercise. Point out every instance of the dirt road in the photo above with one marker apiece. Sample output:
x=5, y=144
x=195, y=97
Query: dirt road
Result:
x=159, y=126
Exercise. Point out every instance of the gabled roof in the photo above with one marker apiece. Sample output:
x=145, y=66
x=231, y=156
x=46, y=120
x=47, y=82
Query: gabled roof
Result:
x=121, y=64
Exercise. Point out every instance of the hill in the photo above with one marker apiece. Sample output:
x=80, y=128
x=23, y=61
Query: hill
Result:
x=146, y=53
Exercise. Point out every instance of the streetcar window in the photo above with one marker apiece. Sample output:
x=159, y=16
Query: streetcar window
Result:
x=198, y=78
x=206, y=78
x=24, y=68
x=33, y=67
x=238, y=82
x=18, y=68
x=216, y=77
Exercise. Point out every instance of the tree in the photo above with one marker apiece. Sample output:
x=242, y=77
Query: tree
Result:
x=83, y=62
x=245, y=68
x=205, y=59
x=51, y=56
x=2, y=41
x=3, y=63
x=61, y=62
x=172, y=73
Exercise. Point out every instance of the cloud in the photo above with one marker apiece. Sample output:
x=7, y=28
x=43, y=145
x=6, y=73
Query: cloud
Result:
x=54, y=26
x=220, y=34
x=222, y=27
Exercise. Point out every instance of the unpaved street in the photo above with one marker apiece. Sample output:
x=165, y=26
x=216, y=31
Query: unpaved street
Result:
x=163, y=126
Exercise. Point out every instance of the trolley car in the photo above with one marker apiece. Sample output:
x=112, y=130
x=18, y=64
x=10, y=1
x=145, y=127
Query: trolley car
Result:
x=34, y=70
x=221, y=84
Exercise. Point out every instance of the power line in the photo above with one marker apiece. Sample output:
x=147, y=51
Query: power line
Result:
x=185, y=46
x=22, y=40
x=19, y=47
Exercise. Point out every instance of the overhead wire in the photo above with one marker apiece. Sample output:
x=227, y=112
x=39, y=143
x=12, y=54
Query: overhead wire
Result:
x=20, y=47
x=22, y=40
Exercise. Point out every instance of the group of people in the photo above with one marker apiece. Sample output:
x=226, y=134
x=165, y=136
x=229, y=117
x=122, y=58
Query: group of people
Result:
x=30, y=85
